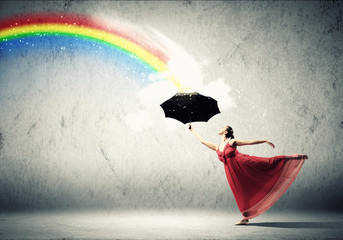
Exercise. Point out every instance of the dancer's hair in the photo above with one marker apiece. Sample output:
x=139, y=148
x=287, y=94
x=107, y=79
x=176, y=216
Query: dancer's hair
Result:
x=229, y=132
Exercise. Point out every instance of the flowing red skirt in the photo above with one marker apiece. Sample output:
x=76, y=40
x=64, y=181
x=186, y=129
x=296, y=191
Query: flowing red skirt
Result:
x=258, y=182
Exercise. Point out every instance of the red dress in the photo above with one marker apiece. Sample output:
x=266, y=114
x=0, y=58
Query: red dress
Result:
x=258, y=182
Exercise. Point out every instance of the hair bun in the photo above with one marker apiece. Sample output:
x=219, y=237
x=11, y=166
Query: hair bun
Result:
x=229, y=132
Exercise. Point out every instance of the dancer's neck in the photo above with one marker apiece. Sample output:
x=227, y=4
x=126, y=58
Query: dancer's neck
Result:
x=224, y=139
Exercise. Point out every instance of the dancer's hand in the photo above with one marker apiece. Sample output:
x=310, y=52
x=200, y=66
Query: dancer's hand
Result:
x=270, y=144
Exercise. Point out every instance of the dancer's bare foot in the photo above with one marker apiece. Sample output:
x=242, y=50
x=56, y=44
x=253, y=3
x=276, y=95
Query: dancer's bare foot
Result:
x=242, y=222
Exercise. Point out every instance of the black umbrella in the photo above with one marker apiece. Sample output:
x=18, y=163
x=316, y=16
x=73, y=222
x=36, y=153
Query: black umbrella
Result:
x=190, y=107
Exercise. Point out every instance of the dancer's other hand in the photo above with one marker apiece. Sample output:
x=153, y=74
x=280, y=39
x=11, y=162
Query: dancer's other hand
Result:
x=270, y=144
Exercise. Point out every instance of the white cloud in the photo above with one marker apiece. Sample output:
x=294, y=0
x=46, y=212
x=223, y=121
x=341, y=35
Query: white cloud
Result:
x=181, y=65
x=149, y=99
x=219, y=90
x=156, y=93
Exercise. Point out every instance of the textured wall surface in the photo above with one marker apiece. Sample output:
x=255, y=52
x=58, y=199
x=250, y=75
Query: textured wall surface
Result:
x=67, y=139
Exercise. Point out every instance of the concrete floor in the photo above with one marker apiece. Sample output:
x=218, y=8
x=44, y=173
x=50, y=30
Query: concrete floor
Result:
x=190, y=224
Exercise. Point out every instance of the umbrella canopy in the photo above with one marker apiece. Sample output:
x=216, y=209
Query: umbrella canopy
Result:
x=190, y=107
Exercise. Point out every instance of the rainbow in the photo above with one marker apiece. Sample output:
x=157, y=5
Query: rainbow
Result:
x=89, y=28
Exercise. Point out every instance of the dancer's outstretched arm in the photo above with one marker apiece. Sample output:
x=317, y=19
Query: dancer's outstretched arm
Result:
x=202, y=140
x=251, y=142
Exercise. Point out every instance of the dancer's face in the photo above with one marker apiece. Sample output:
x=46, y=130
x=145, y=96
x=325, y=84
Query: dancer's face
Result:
x=222, y=130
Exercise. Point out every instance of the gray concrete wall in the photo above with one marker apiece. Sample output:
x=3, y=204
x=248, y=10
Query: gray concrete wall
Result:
x=275, y=68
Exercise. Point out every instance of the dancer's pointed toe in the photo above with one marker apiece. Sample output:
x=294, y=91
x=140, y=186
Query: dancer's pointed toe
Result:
x=242, y=222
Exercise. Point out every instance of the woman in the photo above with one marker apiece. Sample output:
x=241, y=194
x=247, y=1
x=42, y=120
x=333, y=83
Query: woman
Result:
x=256, y=182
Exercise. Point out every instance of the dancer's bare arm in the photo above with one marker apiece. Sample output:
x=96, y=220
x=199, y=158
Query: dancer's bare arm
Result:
x=202, y=140
x=239, y=142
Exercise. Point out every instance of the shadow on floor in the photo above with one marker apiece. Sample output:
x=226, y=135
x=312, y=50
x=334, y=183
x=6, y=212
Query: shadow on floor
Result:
x=332, y=225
